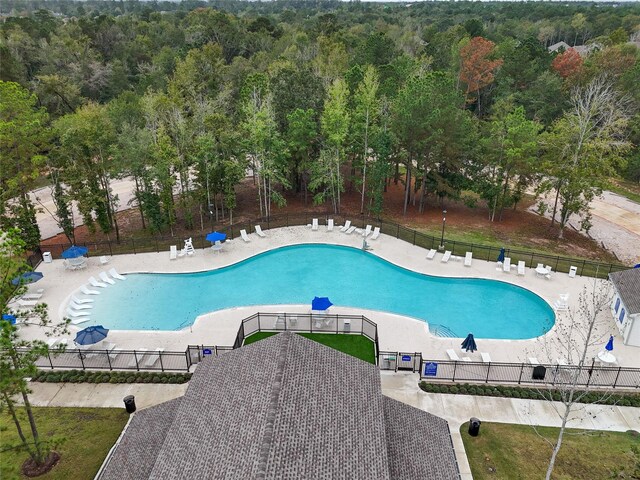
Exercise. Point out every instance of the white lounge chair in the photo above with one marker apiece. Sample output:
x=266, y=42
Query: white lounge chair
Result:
x=153, y=357
x=446, y=256
x=350, y=230
x=243, y=234
x=431, y=254
x=56, y=343
x=330, y=225
x=376, y=233
x=367, y=231
x=79, y=320
x=454, y=356
x=139, y=355
x=96, y=283
x=560, y=306
x=486, y=358
x=116, y=275
x=105, y=278
x=32, y=296
x=173, y=252
x=347, y=226
x=80, y=301
x=79, y=307
x=467, y=259
x=534, y=361
x=314, y=224
x=521, y=266
x=104, y=260
x=506, y=265
x=259, y=231
x=76, y=314
x=27, y=303
x=87, y=291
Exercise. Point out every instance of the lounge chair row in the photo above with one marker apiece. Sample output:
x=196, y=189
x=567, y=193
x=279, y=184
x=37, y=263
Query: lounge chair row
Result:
x=348, y=228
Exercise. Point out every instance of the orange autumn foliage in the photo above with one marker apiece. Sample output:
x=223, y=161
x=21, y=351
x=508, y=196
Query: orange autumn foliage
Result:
x=567, y=63
x=477, y=69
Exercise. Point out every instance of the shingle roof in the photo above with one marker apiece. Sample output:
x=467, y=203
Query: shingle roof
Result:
x=419, y=443
x=287, y=408
x=627, y=283
x=139, y=446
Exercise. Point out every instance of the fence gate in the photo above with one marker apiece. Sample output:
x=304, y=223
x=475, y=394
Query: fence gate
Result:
x=409, y=361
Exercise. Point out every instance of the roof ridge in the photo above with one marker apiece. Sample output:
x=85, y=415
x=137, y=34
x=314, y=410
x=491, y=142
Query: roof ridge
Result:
x=276, y=388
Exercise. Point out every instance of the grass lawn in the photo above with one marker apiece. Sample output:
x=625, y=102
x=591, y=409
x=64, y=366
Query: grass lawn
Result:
x=89, y=434
x=626, y=189
x=357, y=346
x=504, y=451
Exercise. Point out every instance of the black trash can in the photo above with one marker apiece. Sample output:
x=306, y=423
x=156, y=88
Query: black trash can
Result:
x=130, y=403
x=474, y=427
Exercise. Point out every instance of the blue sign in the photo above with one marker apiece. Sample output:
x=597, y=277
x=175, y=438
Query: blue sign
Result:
x=206, y=351
x=406, y=358
x=430, y=369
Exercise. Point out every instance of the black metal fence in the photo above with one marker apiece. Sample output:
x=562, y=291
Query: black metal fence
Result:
x=407, y=361
x=161, y=360
x=162, y=243
x=546, y=375
x=308, y=323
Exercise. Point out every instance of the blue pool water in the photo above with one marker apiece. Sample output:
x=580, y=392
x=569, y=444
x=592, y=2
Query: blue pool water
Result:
x=348, y=276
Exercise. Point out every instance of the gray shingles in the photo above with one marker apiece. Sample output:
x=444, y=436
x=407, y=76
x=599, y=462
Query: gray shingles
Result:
x=627, y=283
x=283, y=408
x=419, y=444
x=134, y=457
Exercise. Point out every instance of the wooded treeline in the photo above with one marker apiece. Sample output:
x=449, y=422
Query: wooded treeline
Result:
x=459, y=101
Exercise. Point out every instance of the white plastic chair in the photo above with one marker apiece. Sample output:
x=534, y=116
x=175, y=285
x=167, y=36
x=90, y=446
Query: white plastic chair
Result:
x=245, y=237
x=467, y=259
x=446, y=256
x=367, y=231
x=173, y=252
x=259, y=231
x=314, y=224
x=330, y=225
x=431, y=254
x=104, y=260
x=376, y=233
x=116, y=275
x=347, y=226
x=105, y=278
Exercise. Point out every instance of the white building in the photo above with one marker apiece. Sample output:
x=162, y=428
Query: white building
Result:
x=625, y=307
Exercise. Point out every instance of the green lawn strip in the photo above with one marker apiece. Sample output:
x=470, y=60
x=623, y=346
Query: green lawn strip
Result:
x=620, y=187
x=505, y=451
x=89, y=434
x=357, y=346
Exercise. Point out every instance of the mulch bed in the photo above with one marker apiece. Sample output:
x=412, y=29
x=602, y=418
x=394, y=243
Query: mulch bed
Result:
x=32, y=469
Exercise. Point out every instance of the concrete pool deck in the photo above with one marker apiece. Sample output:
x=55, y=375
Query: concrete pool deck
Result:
x=396, y=333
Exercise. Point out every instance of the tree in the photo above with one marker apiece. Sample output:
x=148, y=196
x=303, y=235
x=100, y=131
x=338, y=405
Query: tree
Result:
x=584, y=147
x=326, y=178
x=365, y=118
x=24, y=136
x=579, y=338
x=510, y=156
x=567, y=64
x=477, y=68
x=18, y=356
x=302, y=140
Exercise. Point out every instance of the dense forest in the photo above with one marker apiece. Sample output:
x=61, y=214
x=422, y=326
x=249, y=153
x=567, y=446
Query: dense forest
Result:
x=455, y=101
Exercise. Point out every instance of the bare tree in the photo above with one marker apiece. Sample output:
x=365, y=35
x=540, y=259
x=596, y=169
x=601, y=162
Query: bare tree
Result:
x=578, y=338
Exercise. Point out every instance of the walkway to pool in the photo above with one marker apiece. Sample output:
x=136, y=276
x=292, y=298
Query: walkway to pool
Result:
x=396, y=333
x=456, y=409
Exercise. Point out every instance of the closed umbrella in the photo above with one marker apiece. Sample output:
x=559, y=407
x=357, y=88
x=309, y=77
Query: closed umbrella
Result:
x=609, y=346
x=320, y=303
x=216, y=237
x=74, y=252
x=501, y=255
x=469, y=344
x=27, y=277
x=91, y=335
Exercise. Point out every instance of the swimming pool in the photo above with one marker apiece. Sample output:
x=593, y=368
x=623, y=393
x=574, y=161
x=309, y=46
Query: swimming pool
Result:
x=348, y=276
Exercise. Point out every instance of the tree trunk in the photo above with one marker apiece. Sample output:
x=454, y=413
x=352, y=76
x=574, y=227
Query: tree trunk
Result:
x=135, y=177
x=555, y=204
x=407, y=189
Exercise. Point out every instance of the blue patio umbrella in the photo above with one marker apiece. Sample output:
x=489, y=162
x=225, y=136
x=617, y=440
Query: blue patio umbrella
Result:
x=9, y=318
x=320, y=303
x=469, y=344
x=91, y=335
x=501, y=255
x=27, y=277
x=216, y=237
x=609, y=345
x=74, y=252
x=637, y=266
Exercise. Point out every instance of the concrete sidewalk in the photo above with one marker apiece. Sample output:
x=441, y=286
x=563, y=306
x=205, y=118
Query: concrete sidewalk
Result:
x=457, y=409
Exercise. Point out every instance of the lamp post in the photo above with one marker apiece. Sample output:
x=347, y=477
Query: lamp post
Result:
x=444, y=221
